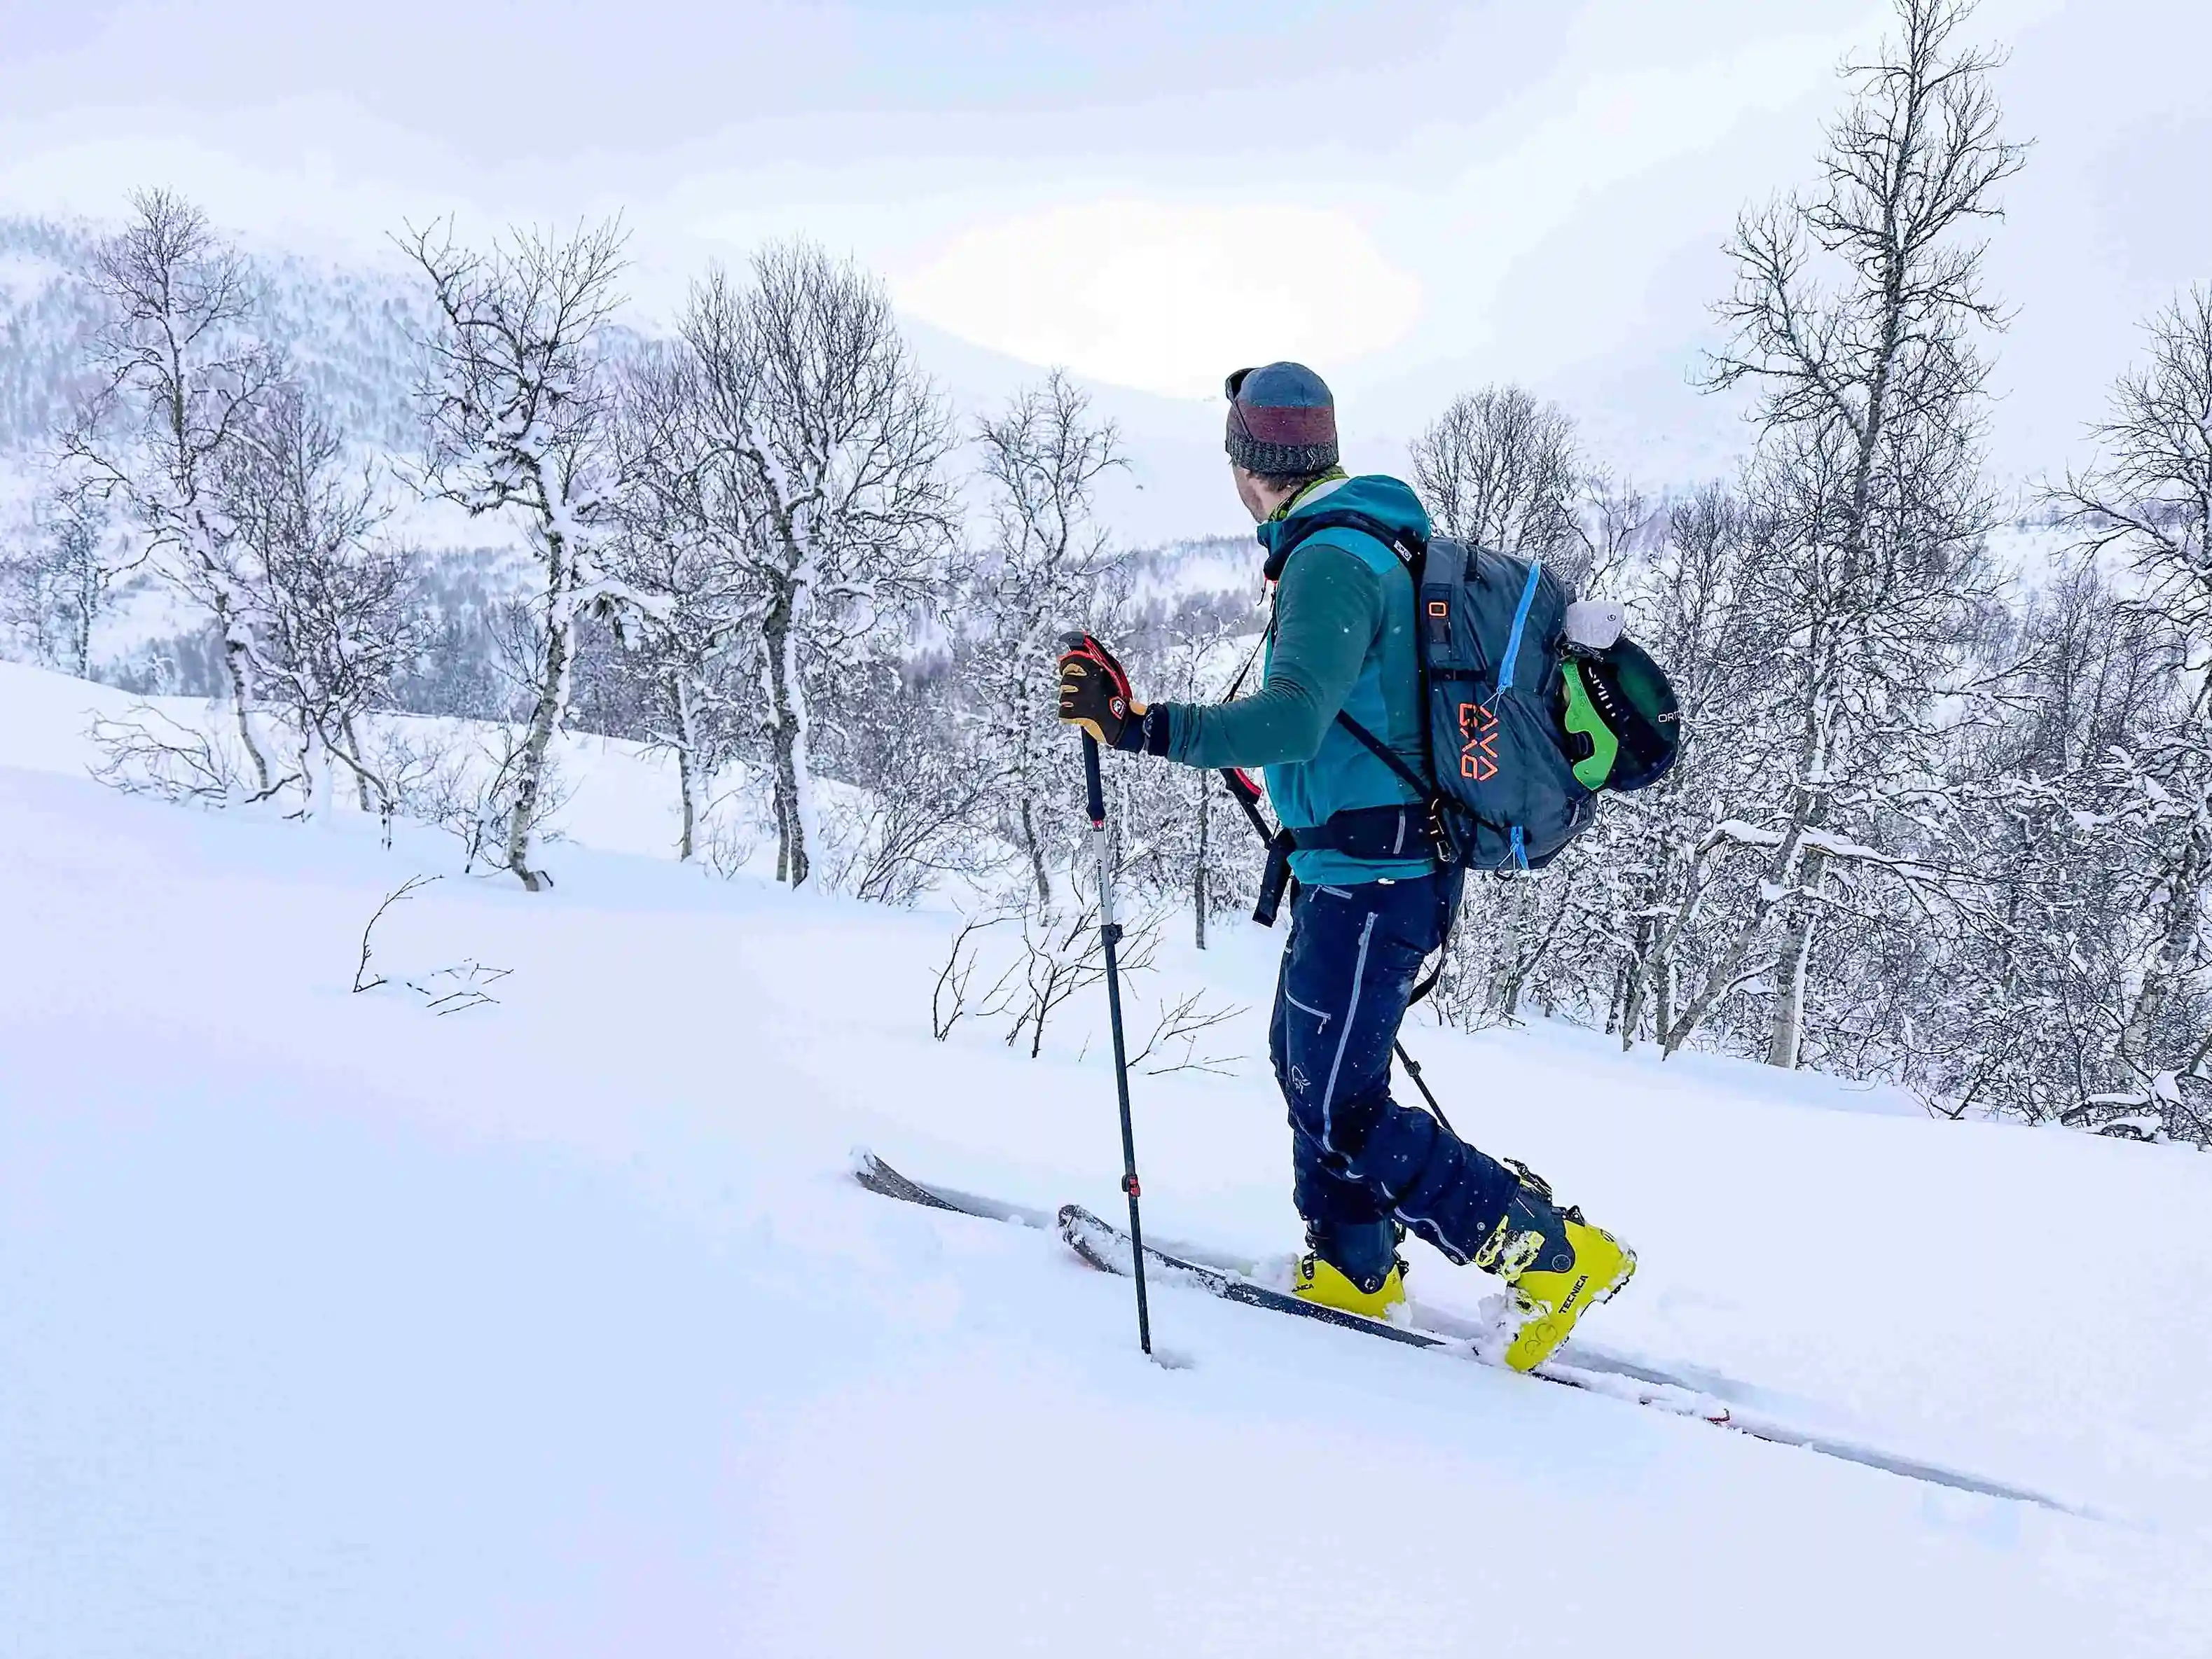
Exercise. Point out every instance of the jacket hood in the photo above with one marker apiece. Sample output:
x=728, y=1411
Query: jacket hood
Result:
x=1376, y=495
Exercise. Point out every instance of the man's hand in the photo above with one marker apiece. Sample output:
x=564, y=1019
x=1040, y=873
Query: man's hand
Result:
x=1095, y=694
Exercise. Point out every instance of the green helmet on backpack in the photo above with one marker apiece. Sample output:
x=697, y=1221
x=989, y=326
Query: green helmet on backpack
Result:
x=1624, y=727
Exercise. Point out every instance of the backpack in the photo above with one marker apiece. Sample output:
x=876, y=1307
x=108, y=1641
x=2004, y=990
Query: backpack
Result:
x=1503, y=687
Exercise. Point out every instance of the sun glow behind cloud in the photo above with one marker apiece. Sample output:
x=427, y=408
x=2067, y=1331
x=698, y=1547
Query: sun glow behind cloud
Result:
x=1166, y=296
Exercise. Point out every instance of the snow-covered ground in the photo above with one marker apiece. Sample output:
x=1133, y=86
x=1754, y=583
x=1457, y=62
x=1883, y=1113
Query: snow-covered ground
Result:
x=330, y=1325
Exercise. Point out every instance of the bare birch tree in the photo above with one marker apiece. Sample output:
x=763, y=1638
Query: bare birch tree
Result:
x=1691, y=609
x=180, y=372
x=2028, y=1006
x=519, y=412
x=2152, y=500
x=821, y=477
x=1194, y=845
x=2150, y=503
x=60, y=588
x=1868, y=390
x=694, y=622
x=1042, y=458
x=338, y=606
x=1501, y=469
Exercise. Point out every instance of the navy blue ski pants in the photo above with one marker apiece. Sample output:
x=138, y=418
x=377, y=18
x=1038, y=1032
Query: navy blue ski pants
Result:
x=1357, y=1155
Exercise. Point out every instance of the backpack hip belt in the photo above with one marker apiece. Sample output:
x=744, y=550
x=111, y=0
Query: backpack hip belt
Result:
x=1375, y=833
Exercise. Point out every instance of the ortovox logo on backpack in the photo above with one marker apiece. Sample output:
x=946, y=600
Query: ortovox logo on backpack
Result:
x=1515, y=784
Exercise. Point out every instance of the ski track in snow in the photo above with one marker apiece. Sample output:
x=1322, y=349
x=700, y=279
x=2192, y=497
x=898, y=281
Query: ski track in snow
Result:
x=557, y=1327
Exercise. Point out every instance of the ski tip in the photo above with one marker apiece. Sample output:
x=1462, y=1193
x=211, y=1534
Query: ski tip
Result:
x=1093, y=1240
x=877, y=1176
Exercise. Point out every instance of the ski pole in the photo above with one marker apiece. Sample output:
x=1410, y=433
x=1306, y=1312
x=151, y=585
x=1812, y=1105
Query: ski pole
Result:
x=1109, y=937
x=1413, y=1071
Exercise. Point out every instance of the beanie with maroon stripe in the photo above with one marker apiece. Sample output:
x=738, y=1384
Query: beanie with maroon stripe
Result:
x=1282, y=422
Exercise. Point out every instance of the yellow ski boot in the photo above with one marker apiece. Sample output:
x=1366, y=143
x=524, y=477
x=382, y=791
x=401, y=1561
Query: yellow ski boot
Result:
x=1559, y=1265
x=1354, y=1268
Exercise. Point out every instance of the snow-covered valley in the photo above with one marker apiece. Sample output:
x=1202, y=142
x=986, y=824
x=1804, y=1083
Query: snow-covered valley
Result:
x=329, y=1324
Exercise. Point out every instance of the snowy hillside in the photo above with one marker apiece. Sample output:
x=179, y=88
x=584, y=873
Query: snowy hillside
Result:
x=329, y=1324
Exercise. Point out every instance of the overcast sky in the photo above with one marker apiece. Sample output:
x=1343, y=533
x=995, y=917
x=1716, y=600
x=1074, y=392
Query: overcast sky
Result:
x=1414, y=197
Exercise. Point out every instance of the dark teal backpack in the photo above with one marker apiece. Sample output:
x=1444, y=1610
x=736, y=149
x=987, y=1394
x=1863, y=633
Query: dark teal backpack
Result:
x=1514, y=709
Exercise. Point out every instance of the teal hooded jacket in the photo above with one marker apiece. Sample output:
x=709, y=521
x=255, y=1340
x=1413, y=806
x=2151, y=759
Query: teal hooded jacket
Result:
x=1342, y=639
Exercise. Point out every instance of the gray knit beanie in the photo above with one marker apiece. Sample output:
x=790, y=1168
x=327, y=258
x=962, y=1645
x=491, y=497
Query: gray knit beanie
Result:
x=1282, y=422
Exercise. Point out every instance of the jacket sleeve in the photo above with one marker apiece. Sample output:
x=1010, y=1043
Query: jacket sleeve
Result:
x=1327, y=611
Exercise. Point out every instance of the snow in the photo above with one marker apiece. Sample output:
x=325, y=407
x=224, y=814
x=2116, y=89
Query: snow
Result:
x=557, y=1327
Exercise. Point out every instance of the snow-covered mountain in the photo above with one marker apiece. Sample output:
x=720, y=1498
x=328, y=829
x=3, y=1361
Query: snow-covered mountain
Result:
x=350, y=334
x=329, y=1323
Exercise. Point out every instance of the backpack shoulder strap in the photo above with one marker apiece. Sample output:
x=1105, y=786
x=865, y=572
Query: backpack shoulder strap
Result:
x=1296, y=531
x=1298, y=528
x=1390, y=756
x=1409, y=549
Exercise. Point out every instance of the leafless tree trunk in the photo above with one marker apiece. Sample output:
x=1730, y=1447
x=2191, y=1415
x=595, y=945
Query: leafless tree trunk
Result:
x=1033, y=844
x=819, y=450
x=339, y=618
x=1042, y=458
x=1199, y=899
x=1868, y=465
x=180, y=373
x=687, y=750
x=518, y=415
x=1790, y=990
x=787, y=714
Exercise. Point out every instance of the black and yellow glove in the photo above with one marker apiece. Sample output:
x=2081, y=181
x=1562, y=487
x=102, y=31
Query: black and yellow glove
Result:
x=1095, y=694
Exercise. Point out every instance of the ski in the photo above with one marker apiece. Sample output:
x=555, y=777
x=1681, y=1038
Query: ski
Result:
x=1105, y=1247
x=878, y=1176
x=1237, y=1281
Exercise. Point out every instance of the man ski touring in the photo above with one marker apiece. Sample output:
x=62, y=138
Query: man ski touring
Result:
x=1373, y=901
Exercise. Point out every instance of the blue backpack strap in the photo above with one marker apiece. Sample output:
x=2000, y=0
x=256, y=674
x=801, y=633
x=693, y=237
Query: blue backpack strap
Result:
x=1520, y=624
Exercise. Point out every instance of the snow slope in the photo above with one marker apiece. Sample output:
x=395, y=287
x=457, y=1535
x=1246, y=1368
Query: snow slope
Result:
x=330, y=1325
